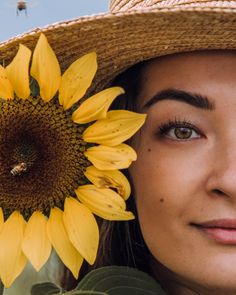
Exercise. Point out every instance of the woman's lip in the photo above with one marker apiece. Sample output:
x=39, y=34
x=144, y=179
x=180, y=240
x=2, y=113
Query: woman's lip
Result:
x=221, y=223
x=220, y=230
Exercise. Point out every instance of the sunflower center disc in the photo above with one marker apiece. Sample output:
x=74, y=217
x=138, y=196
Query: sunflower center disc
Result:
x=41, y=156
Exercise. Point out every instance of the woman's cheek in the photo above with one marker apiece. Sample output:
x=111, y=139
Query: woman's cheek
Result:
x=168, y=182
x=161, y=170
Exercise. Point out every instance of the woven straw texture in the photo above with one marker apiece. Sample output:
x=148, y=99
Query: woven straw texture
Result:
x=136, y=30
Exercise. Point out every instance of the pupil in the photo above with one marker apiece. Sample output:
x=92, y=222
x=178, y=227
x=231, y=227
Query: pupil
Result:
x=183, y=132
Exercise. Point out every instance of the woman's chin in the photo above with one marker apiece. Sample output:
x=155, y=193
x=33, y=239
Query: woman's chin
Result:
x=214, y=273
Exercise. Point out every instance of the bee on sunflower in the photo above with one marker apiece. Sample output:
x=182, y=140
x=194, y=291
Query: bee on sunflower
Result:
x=58, y=165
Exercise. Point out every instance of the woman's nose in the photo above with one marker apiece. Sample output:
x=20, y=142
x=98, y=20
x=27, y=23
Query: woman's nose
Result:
x=222, y=177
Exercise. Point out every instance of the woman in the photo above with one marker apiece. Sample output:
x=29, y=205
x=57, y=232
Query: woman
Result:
x=183, y=179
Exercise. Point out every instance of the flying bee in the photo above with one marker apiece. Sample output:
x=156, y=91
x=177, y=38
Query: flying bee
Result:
x=18, y=169
x=20, y=6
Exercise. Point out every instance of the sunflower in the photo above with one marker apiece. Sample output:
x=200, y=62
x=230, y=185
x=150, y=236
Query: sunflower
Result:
x=59, y=165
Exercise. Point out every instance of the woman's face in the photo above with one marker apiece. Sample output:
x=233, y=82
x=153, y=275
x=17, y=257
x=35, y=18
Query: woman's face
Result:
x=185, y=175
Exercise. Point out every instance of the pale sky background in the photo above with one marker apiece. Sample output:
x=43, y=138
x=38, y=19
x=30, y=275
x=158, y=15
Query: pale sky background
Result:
x=42, y=13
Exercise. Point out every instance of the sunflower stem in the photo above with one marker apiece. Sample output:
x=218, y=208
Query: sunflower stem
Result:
x=1, y=288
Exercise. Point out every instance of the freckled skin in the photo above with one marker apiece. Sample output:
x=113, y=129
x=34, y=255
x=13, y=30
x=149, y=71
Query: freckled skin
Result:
x=187, y=175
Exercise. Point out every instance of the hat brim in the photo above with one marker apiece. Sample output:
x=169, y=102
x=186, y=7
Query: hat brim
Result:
x=123, y=39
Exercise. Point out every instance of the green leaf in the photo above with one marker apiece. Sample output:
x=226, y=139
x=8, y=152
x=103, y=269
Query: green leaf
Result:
x=119, y=280
x=45, y=289
x=109, y=280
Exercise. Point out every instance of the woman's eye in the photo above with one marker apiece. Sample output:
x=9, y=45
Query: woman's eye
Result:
x=182, y=133
x=179, y=131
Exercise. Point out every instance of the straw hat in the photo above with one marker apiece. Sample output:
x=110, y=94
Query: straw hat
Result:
x=136, y=30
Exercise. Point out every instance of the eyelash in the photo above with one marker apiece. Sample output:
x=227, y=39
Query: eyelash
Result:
x=164, y=128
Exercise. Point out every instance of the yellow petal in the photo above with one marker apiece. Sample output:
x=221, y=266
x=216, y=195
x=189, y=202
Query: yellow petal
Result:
x=82, y=229
x=111, y=158
x=45, y=69
x=116, y=128
x=77, y=79
x=12, y=259
x=103, y=202
x=6, y=90
x=96, y=106
x=59, y=238
x=36, y=245
x=109, y=179
x=18, y=72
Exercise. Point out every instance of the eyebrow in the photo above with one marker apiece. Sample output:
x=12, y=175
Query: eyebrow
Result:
x=194, y=99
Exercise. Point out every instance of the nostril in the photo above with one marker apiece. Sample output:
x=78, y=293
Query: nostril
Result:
x=218, y=192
